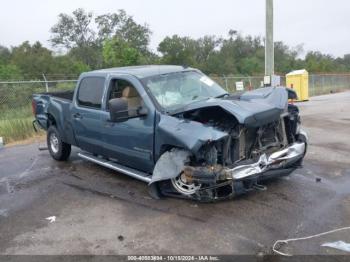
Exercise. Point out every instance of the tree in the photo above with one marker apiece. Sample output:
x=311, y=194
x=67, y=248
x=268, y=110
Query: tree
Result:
x=178, y=50
x=118, y=52
x=124, y=27
x=206, y=48
x=89, y=55
x=344, y=62
x=187, y=51
x=66, y=65
x=32, y=60
x=317, y=62
x=9, y=72
x=238, y=55
x=286, y=57
x=4, y=55
x=73, y=31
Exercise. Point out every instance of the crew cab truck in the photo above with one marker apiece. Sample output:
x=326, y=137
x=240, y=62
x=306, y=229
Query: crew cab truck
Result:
x=175, y=129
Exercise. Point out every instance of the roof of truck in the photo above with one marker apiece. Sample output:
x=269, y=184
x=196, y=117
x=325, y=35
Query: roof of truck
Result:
x=142, y=71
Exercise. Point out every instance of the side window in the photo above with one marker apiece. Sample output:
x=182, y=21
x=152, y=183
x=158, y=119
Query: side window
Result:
x=120, y=88
x=91, y=91
x=116, y=88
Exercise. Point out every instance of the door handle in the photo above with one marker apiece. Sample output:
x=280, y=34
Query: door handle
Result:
x=77, y=116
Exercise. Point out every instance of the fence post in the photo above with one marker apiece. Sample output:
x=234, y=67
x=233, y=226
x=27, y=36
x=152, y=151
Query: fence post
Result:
x=46, y=84
x=311, y=85
x=323, y=85
x=225, y=82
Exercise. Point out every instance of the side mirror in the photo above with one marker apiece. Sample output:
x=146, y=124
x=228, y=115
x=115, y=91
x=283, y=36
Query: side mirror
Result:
x=118, y=109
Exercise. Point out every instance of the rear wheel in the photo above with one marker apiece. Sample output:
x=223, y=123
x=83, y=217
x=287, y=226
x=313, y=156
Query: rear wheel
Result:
x=58, y=149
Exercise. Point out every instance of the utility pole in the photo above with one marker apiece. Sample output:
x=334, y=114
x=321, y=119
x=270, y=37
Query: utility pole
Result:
x=269, y=46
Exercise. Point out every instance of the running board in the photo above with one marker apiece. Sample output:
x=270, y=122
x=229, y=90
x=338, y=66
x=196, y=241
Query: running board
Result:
x=114, y=166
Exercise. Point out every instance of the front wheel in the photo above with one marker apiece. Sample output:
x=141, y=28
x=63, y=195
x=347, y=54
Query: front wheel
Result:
x=179, y=186
x=183, y=185
x=58, y=149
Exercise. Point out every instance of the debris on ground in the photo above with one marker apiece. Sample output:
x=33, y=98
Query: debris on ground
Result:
x=340, y=245
x=120, y=238
x=3, y=212
x=51, y=219
x=277, y=245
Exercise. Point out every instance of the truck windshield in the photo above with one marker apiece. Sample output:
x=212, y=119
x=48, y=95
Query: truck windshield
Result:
x=176, y=90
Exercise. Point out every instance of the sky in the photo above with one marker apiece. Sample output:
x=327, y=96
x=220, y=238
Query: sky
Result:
x=319, y=25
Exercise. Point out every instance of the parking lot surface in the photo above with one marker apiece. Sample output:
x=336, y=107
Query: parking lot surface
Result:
x=99, y=211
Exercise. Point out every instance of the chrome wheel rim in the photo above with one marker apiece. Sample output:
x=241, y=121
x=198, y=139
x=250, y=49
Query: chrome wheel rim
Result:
x=183, y=186
x=54, y=143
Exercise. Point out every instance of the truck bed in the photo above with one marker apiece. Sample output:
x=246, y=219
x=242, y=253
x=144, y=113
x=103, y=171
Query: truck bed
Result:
x=68, y=95
x=54, y=105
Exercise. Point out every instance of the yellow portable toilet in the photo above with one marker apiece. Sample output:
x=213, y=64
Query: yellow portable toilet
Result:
x=299, y=81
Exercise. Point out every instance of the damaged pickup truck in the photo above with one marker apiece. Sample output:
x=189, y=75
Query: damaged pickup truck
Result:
x=175, y=129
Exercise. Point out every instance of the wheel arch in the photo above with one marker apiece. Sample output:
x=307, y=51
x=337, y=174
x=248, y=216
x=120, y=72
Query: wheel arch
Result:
x=170, y=163
x=50, y=120
x=64, y=127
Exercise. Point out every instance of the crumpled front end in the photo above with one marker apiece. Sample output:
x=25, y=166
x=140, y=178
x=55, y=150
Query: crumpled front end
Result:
x=218, y=182
x=238, y=160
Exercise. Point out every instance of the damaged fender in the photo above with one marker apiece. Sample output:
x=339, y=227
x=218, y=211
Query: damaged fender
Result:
x=170, y=165
x=180, y=133
x=186, y=134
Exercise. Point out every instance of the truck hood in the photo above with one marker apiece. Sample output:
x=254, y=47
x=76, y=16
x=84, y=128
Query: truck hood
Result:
x=252, y=108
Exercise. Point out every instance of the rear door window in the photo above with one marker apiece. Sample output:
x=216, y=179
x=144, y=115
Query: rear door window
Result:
x=91, y=91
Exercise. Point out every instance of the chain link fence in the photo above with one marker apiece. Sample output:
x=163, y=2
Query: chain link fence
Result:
x=318, y=84
x=229, y=82
x=328, y=83
x=16, y=95
x=15, y=104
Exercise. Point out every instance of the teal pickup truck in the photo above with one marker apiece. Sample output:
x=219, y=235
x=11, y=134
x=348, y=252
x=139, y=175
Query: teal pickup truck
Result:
x=175, y=129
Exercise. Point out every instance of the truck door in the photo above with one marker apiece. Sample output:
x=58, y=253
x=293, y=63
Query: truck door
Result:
x=130, y=142
x=87, y=114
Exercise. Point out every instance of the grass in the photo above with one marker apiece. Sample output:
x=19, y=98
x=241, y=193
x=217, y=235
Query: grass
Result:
x=16, y=129
x=16, y=124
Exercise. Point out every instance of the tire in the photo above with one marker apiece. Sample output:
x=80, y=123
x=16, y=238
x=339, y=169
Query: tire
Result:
x=58, y=149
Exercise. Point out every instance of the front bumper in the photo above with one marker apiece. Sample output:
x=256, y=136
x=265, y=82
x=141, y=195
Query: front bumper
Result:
x=228, y=182
x=277, y=160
